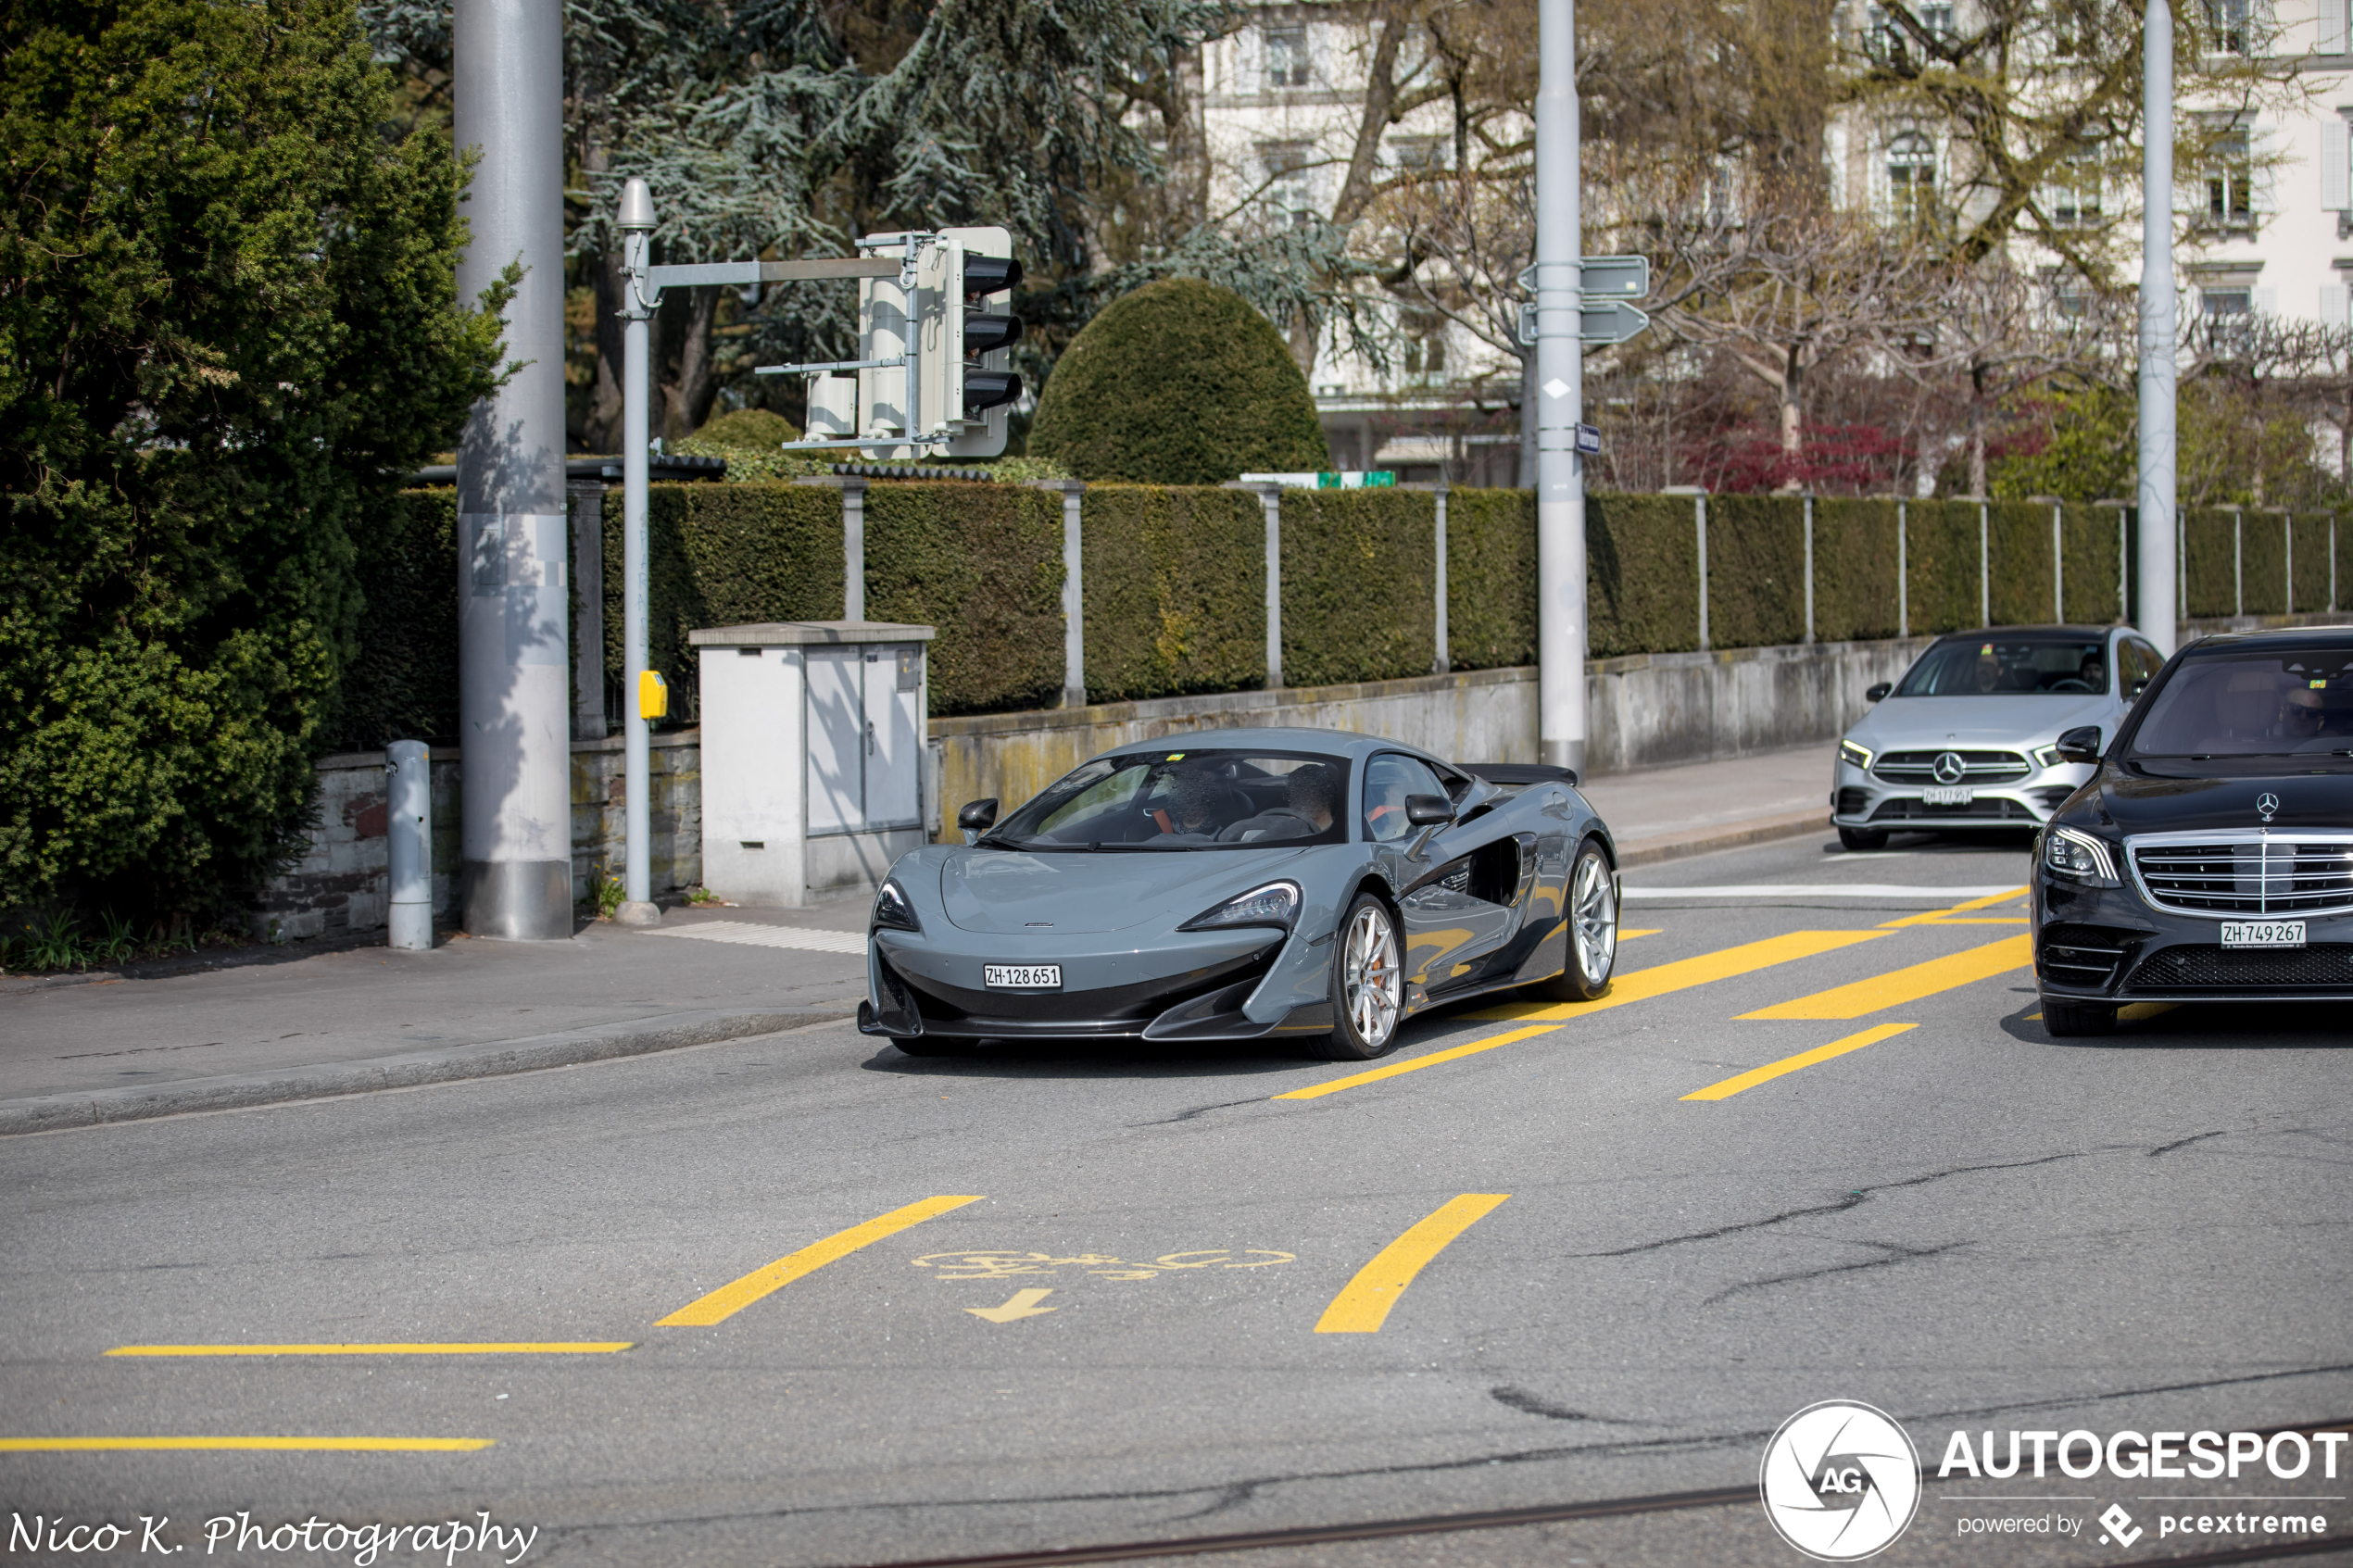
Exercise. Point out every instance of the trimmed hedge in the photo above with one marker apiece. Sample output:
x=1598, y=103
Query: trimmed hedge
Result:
x=1175, y=580
x=2264, y=561
x=1755, y=570
x=1854, y=570
x=2313, y=541
x=2208, y=584
x=403, y=685
x=723, y=555
x=2094, y=540
x=1491, y=579
x=982, y=563
x=1642, y=576
x=1359, y=586
x=1941, y=549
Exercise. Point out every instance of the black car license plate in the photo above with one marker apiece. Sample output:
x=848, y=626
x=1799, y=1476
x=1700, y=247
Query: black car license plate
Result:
x=1022, y=976
x=2262, y=934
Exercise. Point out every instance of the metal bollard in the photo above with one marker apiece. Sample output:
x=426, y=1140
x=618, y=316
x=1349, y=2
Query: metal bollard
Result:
x=408, y=785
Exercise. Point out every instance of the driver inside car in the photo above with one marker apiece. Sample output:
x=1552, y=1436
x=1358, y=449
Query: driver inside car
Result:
x=1197, y=802
x=1308, y=809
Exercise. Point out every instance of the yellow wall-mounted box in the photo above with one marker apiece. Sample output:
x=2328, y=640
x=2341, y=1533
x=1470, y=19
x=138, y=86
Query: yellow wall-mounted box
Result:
x=653, y=694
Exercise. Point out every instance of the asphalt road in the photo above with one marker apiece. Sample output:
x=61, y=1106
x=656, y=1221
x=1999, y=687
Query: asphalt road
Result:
x=1621, y=1290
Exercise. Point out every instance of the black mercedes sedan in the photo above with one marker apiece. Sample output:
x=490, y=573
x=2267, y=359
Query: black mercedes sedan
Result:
x=2209, y=856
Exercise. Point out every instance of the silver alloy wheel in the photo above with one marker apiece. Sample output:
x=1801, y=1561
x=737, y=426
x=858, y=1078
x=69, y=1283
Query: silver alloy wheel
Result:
x=1593, y=918
x=1369, y=977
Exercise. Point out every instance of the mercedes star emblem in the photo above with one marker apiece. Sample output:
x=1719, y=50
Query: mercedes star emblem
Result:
x=1950, y=769
x=2267, y=803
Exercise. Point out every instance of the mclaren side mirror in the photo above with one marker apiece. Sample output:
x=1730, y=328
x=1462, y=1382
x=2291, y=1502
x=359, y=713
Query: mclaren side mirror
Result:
x=2079, y=745
x=1875, y=693
x=1429, y=811
x=978, y=816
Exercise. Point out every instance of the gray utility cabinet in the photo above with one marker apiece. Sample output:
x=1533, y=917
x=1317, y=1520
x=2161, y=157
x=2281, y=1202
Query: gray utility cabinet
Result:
x=812, y=755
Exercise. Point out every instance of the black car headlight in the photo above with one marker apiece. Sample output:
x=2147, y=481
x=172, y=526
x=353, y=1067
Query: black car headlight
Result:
x=1275, y=904
x=2079, y=858
x=1859, y=756
x=892, y=912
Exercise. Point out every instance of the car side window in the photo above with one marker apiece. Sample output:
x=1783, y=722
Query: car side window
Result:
x=1389, y=779
x=2145, y=664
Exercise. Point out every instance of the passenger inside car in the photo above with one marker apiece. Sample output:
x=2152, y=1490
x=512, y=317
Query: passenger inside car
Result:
x=1310, y=795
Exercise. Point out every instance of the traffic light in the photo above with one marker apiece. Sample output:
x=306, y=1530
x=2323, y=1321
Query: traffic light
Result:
x=963, y=285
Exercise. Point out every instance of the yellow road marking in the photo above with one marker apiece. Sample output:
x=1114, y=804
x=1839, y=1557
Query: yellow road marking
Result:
x=1946, y=917
x=517, y=1348
x=1649, y=931
x=1020, y=1304
x=1773, y=1070
x=276, y=1445
x=729, y=1299
x=1364, y=1302
x=1640, y=986
x=1898, y=987
x=2131, y=1012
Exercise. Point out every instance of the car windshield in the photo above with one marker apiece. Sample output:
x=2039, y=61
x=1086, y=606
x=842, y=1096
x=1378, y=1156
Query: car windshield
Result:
x=2279, y=702
x=2009, y=664
x=1187, y=799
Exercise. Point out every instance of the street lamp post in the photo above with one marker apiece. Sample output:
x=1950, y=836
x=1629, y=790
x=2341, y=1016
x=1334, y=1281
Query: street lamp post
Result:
x=1559, y=401
x=636, y=312
x=2159, y=613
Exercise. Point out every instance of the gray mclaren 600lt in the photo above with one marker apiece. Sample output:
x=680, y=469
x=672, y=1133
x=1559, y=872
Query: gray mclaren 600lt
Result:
x=1246, y=884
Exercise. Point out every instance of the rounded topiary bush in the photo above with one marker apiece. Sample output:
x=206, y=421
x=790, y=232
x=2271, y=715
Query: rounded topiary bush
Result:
x=750, y=428
x=1179, y=383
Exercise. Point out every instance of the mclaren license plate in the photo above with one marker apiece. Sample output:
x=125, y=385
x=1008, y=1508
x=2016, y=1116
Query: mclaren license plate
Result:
x=1946, y=795
x=2262, y=934
x=1022, y=976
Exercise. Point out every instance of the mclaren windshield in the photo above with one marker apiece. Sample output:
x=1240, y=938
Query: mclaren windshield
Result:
x=1186, y=799
x=2009, y=664
x=2281, y=702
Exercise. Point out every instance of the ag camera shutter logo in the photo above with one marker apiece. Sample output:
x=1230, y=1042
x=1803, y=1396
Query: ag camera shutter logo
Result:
x=1840, y=1481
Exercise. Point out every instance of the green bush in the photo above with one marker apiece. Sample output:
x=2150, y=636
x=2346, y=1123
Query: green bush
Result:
x=1179, y=382
x=982, y=563
x=1755, y=570
x=1854, y=570
x=1491, y=579
x=1641, y=575
x=1943, y=567
x=1359, y=586
x=1175, y=589
x=724, y=554
x=2208, y=563
x=231, y=326
x=747, y=429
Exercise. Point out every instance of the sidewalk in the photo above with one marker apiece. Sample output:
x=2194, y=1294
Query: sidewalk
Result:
x=292, y=1024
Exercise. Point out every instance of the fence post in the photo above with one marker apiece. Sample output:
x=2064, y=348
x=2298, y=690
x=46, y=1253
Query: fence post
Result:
x=2058, y=567
x=2181, y=564
x=1270, y=498
x=853, y=539
x=2123, y=569
x=1445, y=660
x=1903, y=576
x=2287, y=540
x=1699, y=510
x=1984, y=580
x=1074, y=591
x=2331, y=563
x=2238, y=560
x=1809, y=566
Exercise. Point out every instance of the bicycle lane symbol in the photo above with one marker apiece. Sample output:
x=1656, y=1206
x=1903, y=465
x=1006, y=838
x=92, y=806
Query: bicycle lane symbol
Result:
x=1026, y=1269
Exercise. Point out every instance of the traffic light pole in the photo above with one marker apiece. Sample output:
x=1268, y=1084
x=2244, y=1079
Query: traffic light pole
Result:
x=2159, y=613
x=1560, y=399
x=636, y=312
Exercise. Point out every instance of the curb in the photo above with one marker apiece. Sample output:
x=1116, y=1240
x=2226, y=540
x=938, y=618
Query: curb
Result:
x=44, y=1113
x=1651, y=852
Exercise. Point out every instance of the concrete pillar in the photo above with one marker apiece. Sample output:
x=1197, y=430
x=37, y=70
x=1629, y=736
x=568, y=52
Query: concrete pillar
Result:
x=513, y=707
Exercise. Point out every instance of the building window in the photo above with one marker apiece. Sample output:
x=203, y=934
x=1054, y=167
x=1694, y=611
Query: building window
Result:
x=1938, y=19
x=2230, y=179
x=1286, y=58
x=2226, y=27
x=2227, y=311
x=1886, y=40
x=1421, y=155
x=1911, y=177
x=2075, y=192
x=1425, y=343
x=1288, y=191
x=2073, y=303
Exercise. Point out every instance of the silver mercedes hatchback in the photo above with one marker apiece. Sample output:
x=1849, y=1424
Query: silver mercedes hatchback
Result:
x=1967, y=738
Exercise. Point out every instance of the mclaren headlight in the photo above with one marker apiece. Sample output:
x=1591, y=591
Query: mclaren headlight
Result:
x=1276, y=904
x=2079, y=858
x=892, y=912
x=1860, y=756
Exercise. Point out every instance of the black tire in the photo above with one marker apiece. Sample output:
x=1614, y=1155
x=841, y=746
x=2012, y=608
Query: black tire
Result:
x=1592, y=922
x=2066, y=1019
x=918, y=1046
x=1367, y=985
x=1862, y=838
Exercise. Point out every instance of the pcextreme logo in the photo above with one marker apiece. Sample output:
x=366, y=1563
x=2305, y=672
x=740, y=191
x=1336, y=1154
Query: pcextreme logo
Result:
x=1840, y=1480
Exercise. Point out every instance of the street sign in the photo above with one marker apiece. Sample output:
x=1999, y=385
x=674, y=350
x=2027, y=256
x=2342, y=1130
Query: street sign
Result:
x=1588, y=441
x=1605, y=277
x=1611, y=320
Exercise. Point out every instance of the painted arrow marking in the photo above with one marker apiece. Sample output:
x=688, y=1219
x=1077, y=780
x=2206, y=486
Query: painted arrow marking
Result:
x=1023, y=1305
